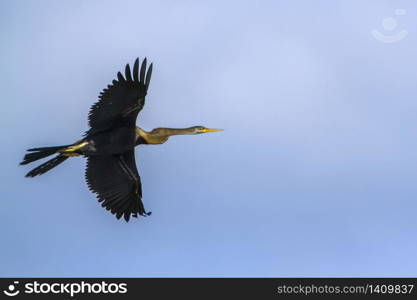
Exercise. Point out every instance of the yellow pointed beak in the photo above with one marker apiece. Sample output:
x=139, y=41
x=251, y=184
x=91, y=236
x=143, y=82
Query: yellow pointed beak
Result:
x=210, y=130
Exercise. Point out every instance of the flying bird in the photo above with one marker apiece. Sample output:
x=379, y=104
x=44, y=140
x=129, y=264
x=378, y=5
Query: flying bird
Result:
x=110, y=142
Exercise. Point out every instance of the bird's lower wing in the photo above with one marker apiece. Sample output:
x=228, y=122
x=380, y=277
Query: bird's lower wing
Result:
x=116, y=181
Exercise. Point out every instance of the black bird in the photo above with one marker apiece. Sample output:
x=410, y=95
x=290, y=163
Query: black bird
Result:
x=109, y=144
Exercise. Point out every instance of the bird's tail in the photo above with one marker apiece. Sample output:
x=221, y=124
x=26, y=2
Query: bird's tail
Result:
x=42, y=152
x=45, y=167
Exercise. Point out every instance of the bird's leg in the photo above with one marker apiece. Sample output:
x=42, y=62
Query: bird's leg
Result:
x=71, y=150
x=70, y=154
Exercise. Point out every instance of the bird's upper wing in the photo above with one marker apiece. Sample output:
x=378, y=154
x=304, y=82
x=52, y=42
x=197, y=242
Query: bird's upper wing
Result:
x=123, y=99
x=115, y=180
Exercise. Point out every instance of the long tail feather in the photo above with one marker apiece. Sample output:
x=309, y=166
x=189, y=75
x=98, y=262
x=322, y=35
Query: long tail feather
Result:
x=41, y=152
x=45, y=167
x=31, y=157
x=55, y=148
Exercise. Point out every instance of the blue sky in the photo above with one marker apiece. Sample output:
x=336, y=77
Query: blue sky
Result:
x=314, y=175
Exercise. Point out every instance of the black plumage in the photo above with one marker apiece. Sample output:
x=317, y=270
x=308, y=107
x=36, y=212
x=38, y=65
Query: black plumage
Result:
x=120, y=103
x=109, y=143
x=111, y=171
x=116, y=181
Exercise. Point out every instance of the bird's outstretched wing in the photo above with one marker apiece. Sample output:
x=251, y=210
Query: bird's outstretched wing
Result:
x=115, y=180
x=122, y=100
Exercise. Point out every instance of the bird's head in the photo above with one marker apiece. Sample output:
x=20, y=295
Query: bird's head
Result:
x=161, y=135
x=202, y=129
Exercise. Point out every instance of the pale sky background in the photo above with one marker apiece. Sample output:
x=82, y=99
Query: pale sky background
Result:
x=315, y=174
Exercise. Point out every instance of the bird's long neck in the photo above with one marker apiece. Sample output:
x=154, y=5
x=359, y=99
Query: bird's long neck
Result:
x=161, y=135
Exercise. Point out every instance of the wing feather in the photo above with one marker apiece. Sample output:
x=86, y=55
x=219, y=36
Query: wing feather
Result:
x=122, y=100
x=120, y=77
x=148, y=76
x=127, y=73
x=143, y=70
x=136, y=70
x=116, y=181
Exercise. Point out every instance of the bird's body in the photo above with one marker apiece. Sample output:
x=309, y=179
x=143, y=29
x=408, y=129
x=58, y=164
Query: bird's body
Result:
x=109, y=144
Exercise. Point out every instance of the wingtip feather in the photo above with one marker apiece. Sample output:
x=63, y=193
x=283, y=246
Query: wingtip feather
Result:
x=148, y=76
x=136, y=70
x=120, y=77
x=143, y=70
x=128, y=73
